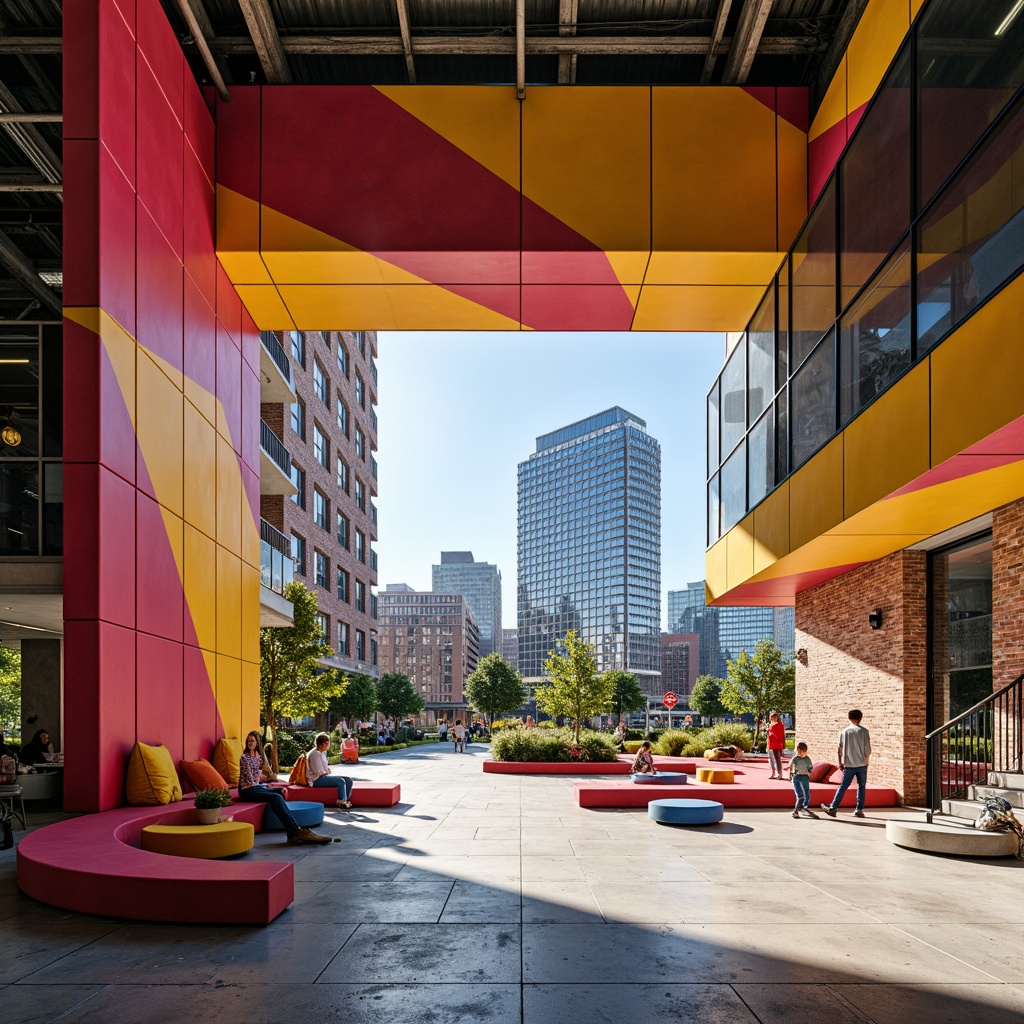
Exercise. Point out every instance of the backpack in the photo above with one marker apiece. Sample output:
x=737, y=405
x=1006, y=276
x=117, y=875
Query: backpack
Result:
x=298, y=773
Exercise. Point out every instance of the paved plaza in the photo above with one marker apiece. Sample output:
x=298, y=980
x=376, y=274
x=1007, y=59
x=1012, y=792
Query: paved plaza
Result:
x=493, y=898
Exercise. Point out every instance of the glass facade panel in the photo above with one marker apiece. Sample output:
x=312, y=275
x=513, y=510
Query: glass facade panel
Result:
x=813, y=269
x=734, y=488
x=782, y=435
x=714, y=509
x=874, y=336
x=814, y=402
x=972, y=241
x=19, y=393
x=734, y=399
x=52, y=387
x=761, y=358
x=19, y=508
x=876, y=181
x=713, y=430
x=782, y=339
x=966, y=75
x=761, y=471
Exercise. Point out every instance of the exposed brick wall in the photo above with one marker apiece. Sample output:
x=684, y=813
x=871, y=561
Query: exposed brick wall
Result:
x=883, y=672
x=1007, y=599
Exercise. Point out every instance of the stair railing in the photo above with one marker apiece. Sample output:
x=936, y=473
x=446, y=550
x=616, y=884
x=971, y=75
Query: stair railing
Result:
x=985, y=738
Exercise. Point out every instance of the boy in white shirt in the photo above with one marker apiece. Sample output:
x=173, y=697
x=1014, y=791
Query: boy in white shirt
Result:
x=318, y=772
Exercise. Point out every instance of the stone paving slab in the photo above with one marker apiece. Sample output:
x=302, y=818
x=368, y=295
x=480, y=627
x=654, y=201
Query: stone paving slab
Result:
x=495, y=899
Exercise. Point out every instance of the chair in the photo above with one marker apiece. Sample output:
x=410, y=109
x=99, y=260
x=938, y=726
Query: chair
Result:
x=8, y=795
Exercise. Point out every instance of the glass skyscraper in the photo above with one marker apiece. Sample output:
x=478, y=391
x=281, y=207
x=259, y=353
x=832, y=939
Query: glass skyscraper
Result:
x=590, y=545
x=480, y=584
x=725, y=631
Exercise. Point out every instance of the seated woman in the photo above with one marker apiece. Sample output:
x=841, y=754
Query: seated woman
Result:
x=643, y=763
x=35, y=750
x=318, y=772
x=253, y=771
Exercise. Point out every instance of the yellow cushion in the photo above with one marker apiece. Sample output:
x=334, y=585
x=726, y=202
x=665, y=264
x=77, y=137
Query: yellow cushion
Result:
x=151, y=779
x=225, y=759
x=716, y=775
x=225, y=839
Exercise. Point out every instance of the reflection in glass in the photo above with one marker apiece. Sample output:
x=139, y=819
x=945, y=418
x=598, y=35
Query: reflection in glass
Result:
x=814, y=276
x=875, y=173
x=53, y=508
x=782, y=341
x=972, y=241
x=734, y=399
x=713, y=430
x=19, y=508
x=714, y=530
x=874, y=336
x=19, y=393
x=814, y=402
x=761, y=474
x=761, y=357
x=734, y=488
x=782, y=434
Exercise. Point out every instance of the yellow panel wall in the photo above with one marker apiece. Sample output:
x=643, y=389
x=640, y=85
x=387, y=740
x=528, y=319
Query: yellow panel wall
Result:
x=816, y=495
x=771, y=528
x=739, y=548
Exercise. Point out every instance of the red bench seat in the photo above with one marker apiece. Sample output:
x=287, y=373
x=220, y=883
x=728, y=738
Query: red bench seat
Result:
x=364, y=794
x=94, y=865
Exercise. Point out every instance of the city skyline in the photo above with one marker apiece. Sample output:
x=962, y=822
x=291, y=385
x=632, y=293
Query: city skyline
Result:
x=450, y=440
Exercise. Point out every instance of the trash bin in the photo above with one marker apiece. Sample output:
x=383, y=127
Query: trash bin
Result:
x=349, y=751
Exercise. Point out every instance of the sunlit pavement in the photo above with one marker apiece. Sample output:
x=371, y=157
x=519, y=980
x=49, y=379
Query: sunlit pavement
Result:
x=493, y=898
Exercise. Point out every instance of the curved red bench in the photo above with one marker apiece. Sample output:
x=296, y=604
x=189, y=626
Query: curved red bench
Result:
x=364, y=794
x=93, y=864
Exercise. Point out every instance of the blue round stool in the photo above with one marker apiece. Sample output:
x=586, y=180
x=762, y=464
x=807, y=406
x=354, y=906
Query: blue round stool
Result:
x=661, y=779
x=685, y=812
x=306, y=813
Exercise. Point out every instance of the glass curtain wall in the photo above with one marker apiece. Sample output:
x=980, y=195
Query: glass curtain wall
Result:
x=921, y=222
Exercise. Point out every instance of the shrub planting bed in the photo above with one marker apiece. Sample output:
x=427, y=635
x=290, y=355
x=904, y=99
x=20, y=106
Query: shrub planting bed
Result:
x=554, y=746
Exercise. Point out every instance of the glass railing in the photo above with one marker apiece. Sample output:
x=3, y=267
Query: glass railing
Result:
x=275, y=449
x=277, y=353
x=276, y=566
x=880, y=273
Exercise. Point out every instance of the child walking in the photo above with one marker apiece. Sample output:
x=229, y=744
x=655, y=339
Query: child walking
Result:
x=800, y=775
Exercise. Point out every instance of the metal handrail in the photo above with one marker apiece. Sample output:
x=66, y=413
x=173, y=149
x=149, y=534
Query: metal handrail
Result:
x=276, y=351
x=274, y=537
x=274, y=447
x=987, y=737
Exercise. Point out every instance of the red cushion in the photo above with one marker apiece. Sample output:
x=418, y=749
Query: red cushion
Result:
x=202, y=775
x=822, y=771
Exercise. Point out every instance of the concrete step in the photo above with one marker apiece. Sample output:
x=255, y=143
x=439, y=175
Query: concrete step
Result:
x=952, y=839
x=1014, y=797
x=1007, y=780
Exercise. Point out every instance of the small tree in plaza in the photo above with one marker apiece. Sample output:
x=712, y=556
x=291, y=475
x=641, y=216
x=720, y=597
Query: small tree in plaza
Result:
x=10, y=689
x=706, y=697
x=358, y=702
x=495, y=688
x=627, y=697
x=397, y=697
x=292, y=682
x=759, y=685
x=573, y=687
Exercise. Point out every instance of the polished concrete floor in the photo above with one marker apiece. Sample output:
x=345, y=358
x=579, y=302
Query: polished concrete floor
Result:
x=493, y=898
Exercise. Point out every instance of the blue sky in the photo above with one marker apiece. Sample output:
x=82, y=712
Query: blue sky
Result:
x=459, y=411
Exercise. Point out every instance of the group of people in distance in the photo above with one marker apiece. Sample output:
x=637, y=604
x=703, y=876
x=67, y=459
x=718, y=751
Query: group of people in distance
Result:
x=458, y=731
x=255, y=774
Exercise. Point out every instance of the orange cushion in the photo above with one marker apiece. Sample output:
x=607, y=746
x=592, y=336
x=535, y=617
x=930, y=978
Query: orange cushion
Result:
x=202, y=775
x=822, y=771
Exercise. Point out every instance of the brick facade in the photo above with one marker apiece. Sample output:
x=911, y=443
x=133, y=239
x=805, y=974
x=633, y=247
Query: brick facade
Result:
x=883, y=672
x=1007, y=597
x=293, y=520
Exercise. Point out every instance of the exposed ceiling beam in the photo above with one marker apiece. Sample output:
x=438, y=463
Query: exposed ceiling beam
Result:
x=29, y=139
x=7, y=185
x=594, y=46
x=837, y=48
x=747, y=41
x=717, y=32
x=260, y=21
x=31, y=44
x=189, y=12
x=568, y=11
x=520, y=49
x=403, y=26
x=26, y=116
x=18, y=266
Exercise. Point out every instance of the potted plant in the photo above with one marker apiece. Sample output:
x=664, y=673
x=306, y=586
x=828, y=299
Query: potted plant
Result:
x=208, y=805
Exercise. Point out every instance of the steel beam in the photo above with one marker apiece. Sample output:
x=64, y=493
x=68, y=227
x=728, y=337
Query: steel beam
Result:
x=19, y=267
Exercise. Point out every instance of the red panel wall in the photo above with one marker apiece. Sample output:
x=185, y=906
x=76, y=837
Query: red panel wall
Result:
x=140, y=632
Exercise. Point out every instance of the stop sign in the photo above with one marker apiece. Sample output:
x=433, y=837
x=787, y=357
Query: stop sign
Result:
x=670, y=700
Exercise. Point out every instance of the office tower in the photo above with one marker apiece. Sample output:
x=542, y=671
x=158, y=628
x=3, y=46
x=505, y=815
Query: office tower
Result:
x=433, y=639
x=480, y=584
x=589, y=538
x=510, y=646
x=327, y=431
x=726, y=631
x=680, y=659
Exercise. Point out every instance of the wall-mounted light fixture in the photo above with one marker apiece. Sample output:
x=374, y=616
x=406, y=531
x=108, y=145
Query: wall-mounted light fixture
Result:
x=801, y=655
x=875, y=619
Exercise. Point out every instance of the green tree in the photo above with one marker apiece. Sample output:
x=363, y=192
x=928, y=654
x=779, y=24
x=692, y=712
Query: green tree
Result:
x=397, y=697
x=759, y=685
x=10, y=689
x=627, y=697
x=495, y=688
x=292, y=681
x=706, y=697
x=358, y=702
x=573, y=687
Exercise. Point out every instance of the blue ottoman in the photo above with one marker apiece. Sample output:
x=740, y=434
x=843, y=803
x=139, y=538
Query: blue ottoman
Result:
x=685, y=812
x=661, y=779
x=306, y=813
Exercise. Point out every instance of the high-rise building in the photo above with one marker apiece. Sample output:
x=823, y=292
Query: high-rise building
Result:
x=725, y=631
x=433, y=639
x=589, y=538
x=510, y=646
x=327, y=526
x=480, y=584
x=680, y=656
